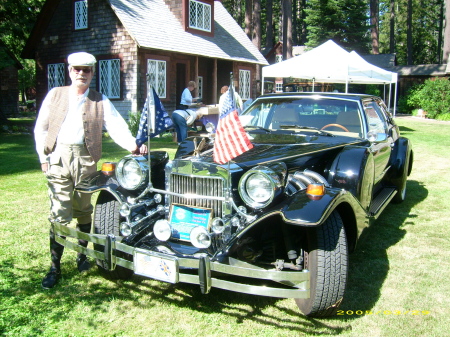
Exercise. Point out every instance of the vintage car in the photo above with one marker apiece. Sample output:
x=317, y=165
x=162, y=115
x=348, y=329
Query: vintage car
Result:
x=278, y=220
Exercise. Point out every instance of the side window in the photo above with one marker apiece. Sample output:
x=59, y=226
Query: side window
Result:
x=80, y=17
x=375, y=117
x=109, y=78
x=56, y=75
x=157, y=75
x=244, y=84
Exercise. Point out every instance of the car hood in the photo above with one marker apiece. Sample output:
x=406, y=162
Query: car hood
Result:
x=272, y=147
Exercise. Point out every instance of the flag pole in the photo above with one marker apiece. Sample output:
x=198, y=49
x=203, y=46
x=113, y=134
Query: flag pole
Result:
x=150, y=127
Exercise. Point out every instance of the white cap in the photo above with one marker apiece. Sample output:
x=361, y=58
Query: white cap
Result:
x=81, y=59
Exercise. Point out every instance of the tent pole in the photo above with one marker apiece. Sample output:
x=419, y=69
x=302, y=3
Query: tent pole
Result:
x=395, y=96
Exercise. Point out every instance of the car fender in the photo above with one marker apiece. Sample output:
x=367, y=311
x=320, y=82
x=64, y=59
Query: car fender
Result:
x=353, y=170
x=98, y=181
x=301, y=210
x=401, y=161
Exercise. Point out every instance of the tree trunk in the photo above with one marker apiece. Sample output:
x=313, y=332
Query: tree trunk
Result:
x=446, y=51
x=409, y=46
x=392, y=28
x=256, y=34
x=249, y=18
x=287, y=29
x=441, y=32
x=269, y=23
x=374, y=10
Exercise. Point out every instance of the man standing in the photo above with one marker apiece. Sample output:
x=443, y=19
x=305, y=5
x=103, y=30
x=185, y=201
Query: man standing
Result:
x=68, y=135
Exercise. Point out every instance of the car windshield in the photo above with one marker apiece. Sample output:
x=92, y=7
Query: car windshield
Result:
x=333, y=115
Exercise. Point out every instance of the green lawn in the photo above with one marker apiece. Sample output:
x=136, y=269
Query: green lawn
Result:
x=398, y=283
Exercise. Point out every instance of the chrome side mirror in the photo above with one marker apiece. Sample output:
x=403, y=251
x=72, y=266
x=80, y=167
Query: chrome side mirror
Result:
x=374, y=136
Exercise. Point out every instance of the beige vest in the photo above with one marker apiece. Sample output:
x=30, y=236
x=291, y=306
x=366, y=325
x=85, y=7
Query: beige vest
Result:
x=92, y=121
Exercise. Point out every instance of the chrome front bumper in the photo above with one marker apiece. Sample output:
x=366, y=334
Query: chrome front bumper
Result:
x=208, y=272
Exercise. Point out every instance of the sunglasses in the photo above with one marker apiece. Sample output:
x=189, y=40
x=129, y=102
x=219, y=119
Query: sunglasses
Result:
x=78, y=70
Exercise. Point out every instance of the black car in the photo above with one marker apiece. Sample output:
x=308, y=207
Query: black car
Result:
x=278, y=220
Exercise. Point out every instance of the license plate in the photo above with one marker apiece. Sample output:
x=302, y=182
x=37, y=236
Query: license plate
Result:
x=156, y=266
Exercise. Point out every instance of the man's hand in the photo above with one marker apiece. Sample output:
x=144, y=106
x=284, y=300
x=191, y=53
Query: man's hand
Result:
x=140, y=151
x=44, y=167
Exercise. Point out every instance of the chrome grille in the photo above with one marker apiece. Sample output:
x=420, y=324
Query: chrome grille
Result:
x=196, y=187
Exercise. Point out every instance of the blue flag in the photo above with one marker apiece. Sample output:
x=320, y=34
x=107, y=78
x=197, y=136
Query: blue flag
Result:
x=162, y=120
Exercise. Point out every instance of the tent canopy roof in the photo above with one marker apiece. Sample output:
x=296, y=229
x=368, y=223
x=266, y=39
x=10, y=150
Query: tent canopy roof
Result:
x=332, y=64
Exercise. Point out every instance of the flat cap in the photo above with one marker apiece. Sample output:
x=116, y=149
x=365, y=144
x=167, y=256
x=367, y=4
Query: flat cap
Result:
x=81, y=59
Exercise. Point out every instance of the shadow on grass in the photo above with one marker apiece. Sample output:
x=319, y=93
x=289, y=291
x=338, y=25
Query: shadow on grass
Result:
x=21, y=291
x=369, y=263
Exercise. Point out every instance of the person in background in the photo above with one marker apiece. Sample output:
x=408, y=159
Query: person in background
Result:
x=182, y=119
x=186, y=96
x=68, y=136
x=237, y=98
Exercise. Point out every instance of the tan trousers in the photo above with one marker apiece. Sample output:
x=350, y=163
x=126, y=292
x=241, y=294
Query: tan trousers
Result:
x=66, y=170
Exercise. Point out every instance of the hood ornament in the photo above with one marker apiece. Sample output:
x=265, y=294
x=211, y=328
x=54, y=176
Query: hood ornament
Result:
x=198, y=148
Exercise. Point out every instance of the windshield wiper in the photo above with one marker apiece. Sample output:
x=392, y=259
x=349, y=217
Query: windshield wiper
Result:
x=257, y=128
x=303, y=127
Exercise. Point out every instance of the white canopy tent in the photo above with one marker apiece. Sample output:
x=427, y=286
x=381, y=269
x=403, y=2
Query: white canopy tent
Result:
x=330, y=63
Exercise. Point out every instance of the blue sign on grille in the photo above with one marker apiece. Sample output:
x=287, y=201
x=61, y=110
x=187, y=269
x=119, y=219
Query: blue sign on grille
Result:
x=184, y=218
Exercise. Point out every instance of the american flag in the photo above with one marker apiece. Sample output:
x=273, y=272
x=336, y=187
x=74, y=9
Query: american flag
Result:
x=231, y=138
x=162, y=119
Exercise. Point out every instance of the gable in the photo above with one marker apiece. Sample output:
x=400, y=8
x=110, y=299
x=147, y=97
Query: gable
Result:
x=154, y=26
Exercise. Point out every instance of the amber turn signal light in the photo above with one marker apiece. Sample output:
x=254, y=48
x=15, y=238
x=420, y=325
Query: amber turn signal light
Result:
x=108, y=168
x=315, y=191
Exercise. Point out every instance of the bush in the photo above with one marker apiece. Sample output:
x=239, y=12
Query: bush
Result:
x=444, y=117
x=433, y=96
x=133, y=122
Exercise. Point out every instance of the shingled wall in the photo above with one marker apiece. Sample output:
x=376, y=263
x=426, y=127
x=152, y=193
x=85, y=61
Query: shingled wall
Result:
x=105, y=38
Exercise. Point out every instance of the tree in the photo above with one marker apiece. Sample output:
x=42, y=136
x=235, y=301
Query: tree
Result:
x=345, y=22
x=287, y=29
x=16, y=21
x=256, y=32
x=374, y=20
x=446, y=51
x=269, y=23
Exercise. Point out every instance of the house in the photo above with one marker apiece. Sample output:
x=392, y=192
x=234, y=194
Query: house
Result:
x=170, y=42
x=9, y=82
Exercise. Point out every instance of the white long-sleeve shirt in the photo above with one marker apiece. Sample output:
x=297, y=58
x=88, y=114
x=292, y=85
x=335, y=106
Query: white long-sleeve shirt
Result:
x=72, y=131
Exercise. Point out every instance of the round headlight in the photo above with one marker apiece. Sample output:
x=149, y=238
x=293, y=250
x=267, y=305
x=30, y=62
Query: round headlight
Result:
x=132, y=172
x=259, y=186
x=200, y=237
x=162, y=230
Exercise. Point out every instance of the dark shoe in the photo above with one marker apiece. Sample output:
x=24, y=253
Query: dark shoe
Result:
x=51, y=279
x=83, y=263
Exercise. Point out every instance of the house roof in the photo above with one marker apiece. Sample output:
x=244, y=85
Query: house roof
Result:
x=153, y=25
x=385, y=61
x=421, y=70
x=6, y=54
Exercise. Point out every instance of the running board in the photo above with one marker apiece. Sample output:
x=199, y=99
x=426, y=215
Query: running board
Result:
x=381, y=201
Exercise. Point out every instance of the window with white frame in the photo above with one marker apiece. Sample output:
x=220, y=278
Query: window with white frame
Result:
x=200, y=87
x=81, y=14
x=109, y=77
x=200, y=15
x=157, y=75
x=56, y=75
x=244, y=84
x=279, y=86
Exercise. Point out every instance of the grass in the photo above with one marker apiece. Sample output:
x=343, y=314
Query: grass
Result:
x=398, y=280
